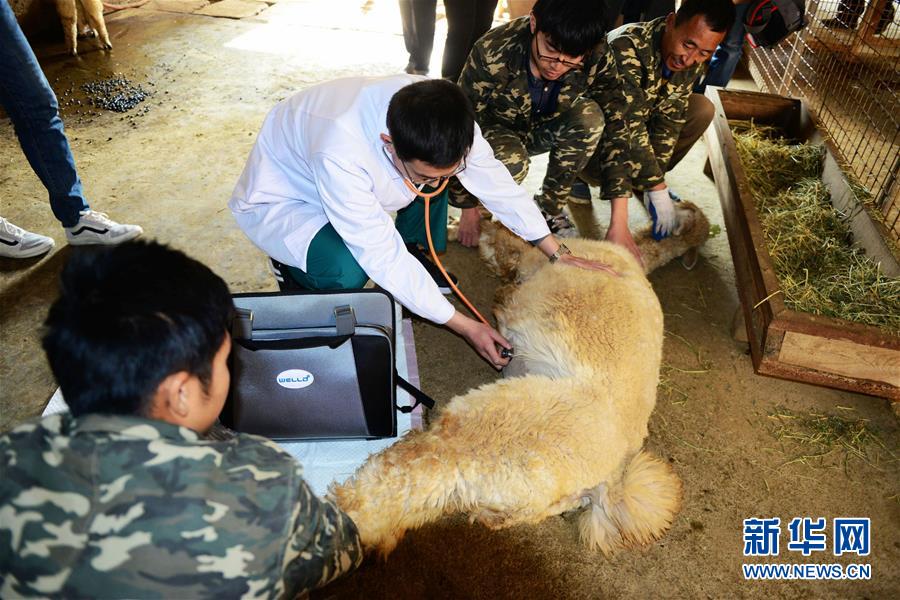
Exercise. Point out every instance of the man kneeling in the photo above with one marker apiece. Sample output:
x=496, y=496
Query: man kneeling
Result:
x=122, y=497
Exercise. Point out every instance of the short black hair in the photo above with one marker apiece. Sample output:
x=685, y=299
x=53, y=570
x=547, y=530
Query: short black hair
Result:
x=719, y=15
x=574, y=26
x=432, y=121
x=126, y=318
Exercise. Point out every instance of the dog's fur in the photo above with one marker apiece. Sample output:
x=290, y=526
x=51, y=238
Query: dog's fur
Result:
x=568, y=434
x=82, y=18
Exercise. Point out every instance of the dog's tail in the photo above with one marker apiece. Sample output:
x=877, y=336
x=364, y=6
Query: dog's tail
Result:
x=633, y=511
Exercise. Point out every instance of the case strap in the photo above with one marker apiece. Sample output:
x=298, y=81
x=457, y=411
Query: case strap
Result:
x=418, y=395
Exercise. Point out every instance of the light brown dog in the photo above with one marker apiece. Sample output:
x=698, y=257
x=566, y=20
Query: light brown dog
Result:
x=565, y=435
x=82, y=18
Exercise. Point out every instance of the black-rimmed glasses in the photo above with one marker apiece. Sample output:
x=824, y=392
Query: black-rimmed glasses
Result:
x=420, y=180
x=555, y=59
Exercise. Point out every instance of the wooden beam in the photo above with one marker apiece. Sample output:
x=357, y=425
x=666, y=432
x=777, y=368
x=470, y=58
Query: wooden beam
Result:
x=841, y=357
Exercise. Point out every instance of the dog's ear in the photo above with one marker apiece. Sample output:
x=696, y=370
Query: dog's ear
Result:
x=692, y=231
x=501, y=250
x=693, y=226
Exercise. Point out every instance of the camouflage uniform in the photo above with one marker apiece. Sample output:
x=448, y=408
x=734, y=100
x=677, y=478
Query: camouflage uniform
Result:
x=590, y=110
x=658, y=106
x=113, y=506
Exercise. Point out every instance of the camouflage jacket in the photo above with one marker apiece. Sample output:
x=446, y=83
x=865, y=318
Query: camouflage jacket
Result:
x=111, y=507
x=496, y=81
x=658, y=105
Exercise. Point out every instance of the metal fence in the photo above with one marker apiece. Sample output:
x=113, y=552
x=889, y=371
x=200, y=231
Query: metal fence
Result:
x=844, y=64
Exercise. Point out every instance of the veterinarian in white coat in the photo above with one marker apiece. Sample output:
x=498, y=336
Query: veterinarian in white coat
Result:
x=325, y=163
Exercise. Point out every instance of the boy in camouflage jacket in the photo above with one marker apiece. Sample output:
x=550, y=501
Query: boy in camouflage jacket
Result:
x=121, y=498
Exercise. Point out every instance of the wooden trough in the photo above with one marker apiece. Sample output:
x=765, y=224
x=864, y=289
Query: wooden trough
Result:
x=785, y=343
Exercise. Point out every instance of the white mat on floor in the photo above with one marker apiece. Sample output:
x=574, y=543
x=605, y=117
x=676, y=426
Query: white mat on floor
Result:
x=325, y=462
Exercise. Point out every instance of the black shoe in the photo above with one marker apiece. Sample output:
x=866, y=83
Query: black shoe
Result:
x=286, y=283
x=432, y=269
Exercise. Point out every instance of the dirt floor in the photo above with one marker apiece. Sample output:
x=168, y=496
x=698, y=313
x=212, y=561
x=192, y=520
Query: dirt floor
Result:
x=170, y=164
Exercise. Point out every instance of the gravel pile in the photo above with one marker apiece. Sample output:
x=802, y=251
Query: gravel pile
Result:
x=117, y=94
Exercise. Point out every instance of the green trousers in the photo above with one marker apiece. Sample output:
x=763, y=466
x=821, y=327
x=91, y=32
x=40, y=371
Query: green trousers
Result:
x=331, y=266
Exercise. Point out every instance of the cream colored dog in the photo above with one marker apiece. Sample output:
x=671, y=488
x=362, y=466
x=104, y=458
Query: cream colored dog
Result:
x=82, y=18
x=568, y=433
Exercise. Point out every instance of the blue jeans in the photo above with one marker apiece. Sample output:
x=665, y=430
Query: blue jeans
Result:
x=728, y=54
x=28, y=100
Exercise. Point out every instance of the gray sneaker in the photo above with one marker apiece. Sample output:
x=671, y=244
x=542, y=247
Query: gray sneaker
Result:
x=97, y=228
x=16, y=242
x=560, y=225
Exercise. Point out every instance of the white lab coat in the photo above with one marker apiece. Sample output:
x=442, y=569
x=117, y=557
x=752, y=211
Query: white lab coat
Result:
x=319, y=158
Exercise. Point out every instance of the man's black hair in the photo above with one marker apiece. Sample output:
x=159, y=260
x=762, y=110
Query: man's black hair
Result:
x=573, y=26
x=126, y=318
x=431, y=121
x=719, y=15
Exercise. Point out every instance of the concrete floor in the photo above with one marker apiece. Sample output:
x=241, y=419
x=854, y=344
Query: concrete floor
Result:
x=172, y=169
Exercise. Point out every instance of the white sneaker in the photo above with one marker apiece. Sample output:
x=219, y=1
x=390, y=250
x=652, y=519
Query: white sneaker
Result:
x=96, y=228
x=15, y=242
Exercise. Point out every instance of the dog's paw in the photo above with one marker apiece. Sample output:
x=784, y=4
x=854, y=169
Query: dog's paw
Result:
x=87, y=32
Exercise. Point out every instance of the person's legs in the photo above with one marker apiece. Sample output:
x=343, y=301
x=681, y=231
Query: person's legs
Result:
x=467, y=20
x=886, y=18
x=329, y=264
x=509, y=148
x=484, y=18
x=847, y=16
x=409, y=29
x=632, y=10
x=460, y=22
x=728, y=54
x=699, y=115
x=410, y=222
x=658, y=8
x=571, y=138
x=31, y=105
x=418, y=32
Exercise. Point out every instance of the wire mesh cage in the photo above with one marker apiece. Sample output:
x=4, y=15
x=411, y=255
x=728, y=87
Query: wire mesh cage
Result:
x=844, y=65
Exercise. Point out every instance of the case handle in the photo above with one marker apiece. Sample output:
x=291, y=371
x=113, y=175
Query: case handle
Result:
x=332, y=341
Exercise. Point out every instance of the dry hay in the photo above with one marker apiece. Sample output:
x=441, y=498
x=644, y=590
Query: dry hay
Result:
x=810, y=244
x=825, y=440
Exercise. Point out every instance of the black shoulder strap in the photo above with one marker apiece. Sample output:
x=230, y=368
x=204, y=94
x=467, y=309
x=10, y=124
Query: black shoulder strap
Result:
x=418, y=395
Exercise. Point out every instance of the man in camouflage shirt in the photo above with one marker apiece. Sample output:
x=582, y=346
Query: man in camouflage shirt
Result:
x=122, y=498
x=659, y=61
x=548, y=82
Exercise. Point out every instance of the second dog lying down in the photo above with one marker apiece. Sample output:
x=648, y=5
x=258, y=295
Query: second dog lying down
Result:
x=568, y=434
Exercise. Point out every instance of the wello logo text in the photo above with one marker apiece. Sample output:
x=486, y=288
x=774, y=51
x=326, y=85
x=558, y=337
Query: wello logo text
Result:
x=294, y=379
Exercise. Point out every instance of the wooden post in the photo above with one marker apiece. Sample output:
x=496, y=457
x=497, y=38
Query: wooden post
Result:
x=870, y=19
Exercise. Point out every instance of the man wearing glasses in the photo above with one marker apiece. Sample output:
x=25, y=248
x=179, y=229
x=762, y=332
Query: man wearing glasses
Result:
x=333, y=161
x=548, y=82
